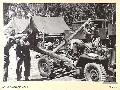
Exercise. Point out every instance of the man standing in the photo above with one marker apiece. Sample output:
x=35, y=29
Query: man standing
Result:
x=23, y=55
x=9, y=43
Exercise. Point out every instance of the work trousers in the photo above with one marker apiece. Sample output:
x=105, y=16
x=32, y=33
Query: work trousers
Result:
x=26, y=59
x=6, y=64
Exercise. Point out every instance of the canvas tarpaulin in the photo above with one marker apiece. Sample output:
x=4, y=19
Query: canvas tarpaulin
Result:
x=50, y=25
x=19, y=25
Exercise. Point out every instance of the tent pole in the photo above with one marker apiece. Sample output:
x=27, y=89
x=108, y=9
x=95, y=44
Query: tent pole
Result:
x=43, y=36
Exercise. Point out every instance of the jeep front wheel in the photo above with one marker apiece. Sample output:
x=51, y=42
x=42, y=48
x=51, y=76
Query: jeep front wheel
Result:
x=45, y=67
x=94, y=72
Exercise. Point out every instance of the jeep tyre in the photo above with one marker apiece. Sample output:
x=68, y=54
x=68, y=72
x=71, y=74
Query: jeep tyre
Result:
x=45, y=67
x=94, y=72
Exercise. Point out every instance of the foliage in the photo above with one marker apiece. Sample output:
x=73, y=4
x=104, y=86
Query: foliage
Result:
x=70, y=11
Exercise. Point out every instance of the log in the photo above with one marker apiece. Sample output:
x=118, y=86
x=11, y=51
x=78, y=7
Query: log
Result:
x=64, y=42
x=55, y=56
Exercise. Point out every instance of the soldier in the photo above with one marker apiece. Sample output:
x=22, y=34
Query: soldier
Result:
x=9, y=43
x=77, y=47
x=96, y=39
x=88, y=33
x=23, y=55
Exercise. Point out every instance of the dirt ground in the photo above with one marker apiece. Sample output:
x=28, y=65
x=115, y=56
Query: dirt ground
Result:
x=34, y=72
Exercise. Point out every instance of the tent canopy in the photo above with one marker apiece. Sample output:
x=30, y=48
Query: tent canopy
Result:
x=50, y=25
x=19, y=25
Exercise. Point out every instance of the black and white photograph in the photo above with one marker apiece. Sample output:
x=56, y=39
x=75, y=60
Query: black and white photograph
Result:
x=59, y=42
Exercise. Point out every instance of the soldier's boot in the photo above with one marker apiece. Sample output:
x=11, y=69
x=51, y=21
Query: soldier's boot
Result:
x=4, y=78
x=26, y=78
x=18, y=78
